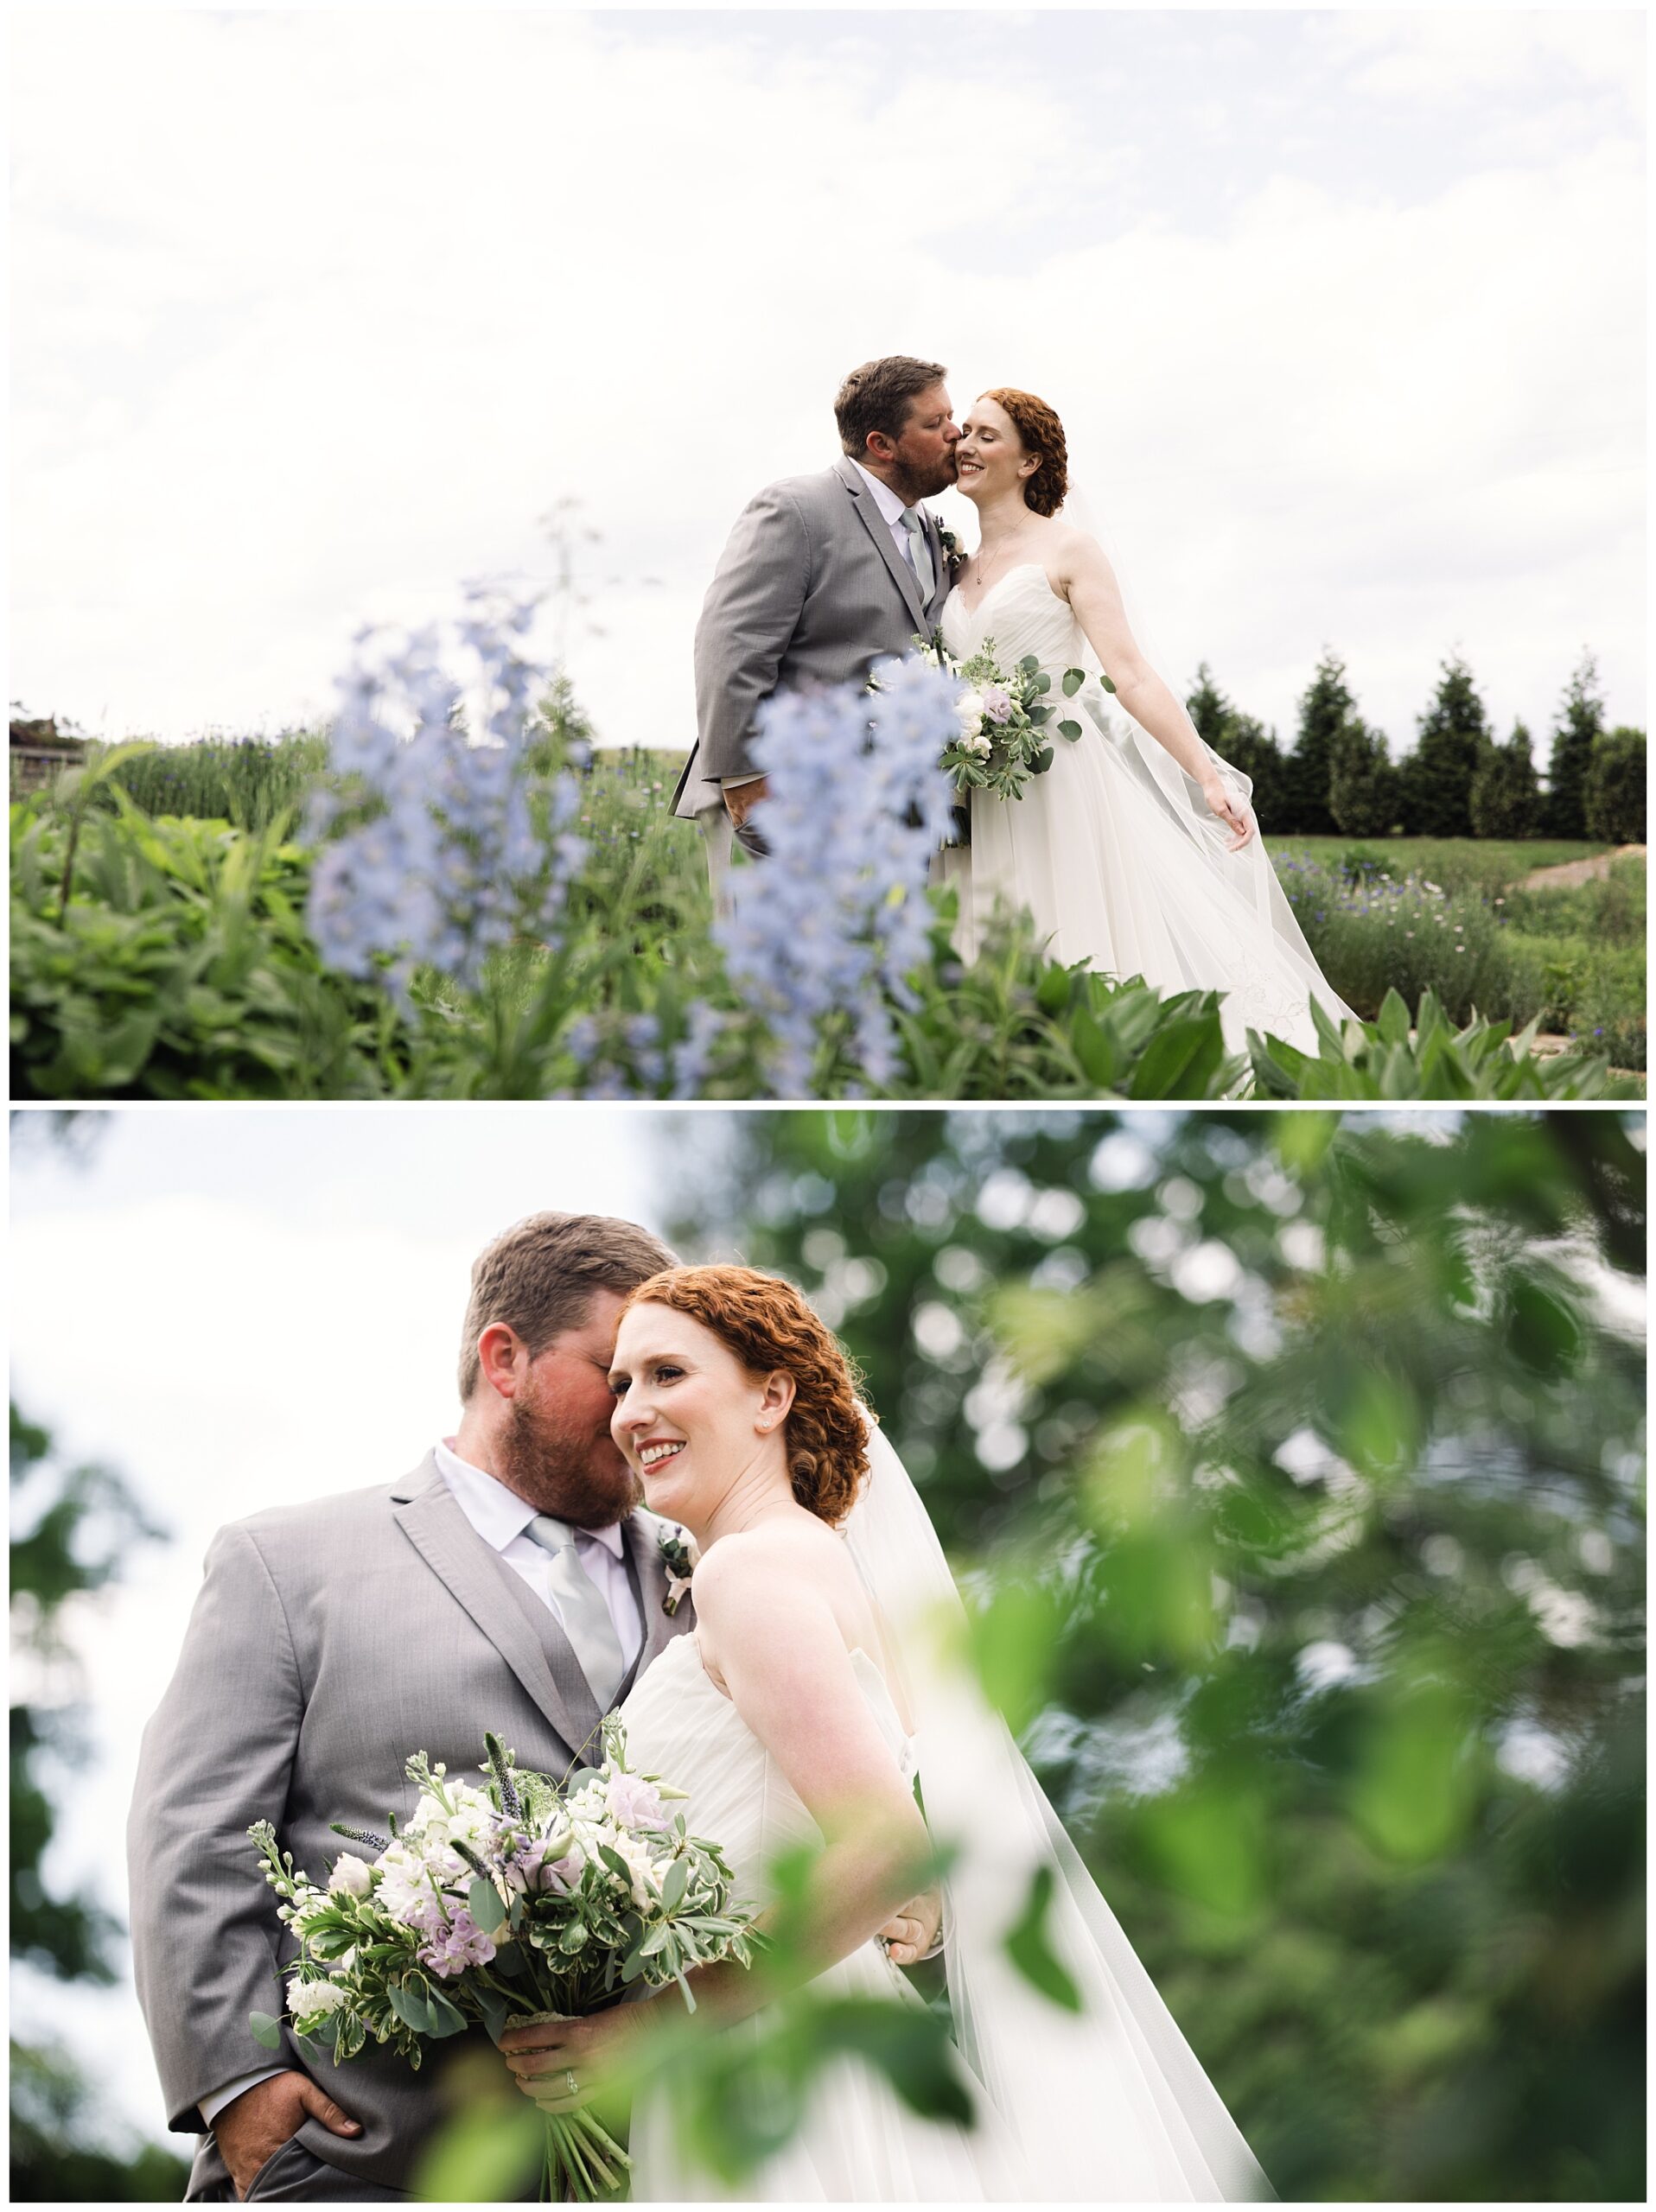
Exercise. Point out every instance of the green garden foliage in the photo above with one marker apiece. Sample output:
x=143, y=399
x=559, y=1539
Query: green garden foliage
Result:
x=1577, y=729
x=169, y=956
x=1568, y=962
x=1453, y=744
x=72, y=1527
x=1577, y=957
x=1421, y=1056
x=1613, y=801
x=1505, y=797
x=1364, y=789
x=1292, y=1465
x=251, y=781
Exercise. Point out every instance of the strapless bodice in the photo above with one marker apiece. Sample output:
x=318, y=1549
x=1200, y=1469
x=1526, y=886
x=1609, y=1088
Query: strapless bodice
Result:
x=681, y=1727
x=1020, y=614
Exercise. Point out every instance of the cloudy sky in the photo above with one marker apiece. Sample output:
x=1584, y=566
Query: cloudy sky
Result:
x=317, y=313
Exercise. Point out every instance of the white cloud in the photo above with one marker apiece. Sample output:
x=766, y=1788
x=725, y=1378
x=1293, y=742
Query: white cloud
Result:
x=324, y=322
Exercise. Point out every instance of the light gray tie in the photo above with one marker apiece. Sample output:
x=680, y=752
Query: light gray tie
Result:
x=581, y=1608
x=920, y=553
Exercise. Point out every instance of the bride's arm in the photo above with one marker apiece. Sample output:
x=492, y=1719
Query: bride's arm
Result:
x=774, y=1641
x=1095, y=596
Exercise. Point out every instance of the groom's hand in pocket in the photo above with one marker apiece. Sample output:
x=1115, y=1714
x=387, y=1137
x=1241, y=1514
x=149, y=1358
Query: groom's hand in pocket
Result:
x=740, y=800
x=255, y=2126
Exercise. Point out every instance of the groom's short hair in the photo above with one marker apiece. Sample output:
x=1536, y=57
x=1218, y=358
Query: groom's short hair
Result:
x=539, y=1275
x=876, y=397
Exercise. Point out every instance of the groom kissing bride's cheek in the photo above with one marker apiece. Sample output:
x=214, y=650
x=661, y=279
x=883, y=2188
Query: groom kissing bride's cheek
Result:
x=824, y=575
x=512, y=1581
x=1090, y=799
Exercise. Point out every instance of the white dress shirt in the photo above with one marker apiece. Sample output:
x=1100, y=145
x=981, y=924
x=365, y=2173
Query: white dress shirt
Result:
x=502, y=1518
x=892, y=510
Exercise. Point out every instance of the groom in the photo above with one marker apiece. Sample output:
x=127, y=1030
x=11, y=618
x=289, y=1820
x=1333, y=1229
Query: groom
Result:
x=822, y=576
x=509, y=1582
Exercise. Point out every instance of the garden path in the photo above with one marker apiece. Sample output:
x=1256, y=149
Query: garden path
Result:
x=1569, y=873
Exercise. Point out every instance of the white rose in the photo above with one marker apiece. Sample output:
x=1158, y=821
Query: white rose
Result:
x=351, y=1874
x=969, y=711
x=309, y=2002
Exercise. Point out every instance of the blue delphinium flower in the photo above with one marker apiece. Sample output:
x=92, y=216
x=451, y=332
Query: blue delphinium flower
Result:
x=464, y=846
x=834, y=918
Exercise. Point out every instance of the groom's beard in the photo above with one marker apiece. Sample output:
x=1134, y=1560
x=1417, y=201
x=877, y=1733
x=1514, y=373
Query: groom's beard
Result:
x=587, y=1482
x=912, y=484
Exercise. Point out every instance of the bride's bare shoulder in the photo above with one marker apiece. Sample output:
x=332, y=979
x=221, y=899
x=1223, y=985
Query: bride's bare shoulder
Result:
x=773, y=1562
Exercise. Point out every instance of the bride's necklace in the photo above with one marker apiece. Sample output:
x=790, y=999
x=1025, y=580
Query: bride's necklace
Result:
x=981, y=565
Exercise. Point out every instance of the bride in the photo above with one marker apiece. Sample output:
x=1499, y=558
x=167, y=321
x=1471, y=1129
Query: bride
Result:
x=812, y=1694
x=1137, y=850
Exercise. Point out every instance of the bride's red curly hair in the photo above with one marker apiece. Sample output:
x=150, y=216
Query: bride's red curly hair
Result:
x=767, y=1325
x=1043, y=433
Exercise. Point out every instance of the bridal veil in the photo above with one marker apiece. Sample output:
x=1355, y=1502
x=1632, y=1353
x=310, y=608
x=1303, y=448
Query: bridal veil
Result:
x=1108, y=2104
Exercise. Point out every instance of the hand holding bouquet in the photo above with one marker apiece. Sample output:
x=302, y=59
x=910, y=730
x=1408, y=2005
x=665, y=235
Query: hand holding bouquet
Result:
x=494, y=1905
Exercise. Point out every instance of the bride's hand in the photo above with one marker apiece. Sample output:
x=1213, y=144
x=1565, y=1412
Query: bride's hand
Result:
x=556, y=2062
x=1230, y=812
x=910, y=1935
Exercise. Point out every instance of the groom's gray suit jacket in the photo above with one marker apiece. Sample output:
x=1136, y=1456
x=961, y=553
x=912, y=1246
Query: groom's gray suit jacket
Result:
x=810, y=589
x=329, y=1642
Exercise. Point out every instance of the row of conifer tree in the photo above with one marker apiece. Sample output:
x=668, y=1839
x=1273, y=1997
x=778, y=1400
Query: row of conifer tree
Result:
x=1339, y=777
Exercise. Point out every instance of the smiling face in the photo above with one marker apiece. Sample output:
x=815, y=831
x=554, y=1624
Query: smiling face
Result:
x=554, y=1448
x=921, y=461
x=688, y=1417
x=992, y=459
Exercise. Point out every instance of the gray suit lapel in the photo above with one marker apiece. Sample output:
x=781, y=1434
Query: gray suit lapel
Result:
x=874, y=522
x=429, y=1516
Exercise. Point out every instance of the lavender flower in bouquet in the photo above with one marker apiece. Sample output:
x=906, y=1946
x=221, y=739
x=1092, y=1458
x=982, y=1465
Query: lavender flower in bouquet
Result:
x=494, y=1906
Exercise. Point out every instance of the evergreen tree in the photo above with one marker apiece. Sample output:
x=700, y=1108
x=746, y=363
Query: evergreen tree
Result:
x=1326, y=707
x=1365, y=790
x=1454, y=740
x=1244, y=742
x=1579, y=726
x=1505, y=797
x=1615, y=788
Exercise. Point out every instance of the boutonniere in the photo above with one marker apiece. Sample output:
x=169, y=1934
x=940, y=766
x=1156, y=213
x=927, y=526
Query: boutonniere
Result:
x=953, y=552
x=678, y=1555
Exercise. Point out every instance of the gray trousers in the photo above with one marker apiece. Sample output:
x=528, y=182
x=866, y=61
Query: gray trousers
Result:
x=718, y=841
x=292, y=2173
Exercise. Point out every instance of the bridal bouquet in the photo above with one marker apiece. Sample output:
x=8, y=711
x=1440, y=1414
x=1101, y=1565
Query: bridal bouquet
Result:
x=1002, y=719
x=497, y=1904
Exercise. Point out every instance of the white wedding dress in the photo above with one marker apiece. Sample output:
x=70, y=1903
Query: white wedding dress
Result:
x=1114, y=852
x=859, y=2144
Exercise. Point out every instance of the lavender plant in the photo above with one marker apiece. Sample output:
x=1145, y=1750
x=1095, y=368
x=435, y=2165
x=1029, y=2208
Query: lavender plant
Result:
x=824, y=939
x=441, y=845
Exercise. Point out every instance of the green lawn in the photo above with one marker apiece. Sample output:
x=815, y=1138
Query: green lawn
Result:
x=1486, y=864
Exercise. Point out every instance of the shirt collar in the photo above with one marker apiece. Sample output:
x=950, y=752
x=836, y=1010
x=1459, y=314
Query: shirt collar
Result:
x=885, y=498
x=499, y=1514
